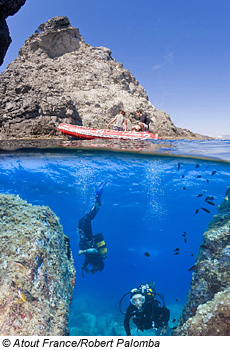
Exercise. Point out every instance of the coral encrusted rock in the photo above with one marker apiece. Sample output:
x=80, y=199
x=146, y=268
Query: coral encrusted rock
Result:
x=7, y=8
x=207, y=310
x=36, y=270
x=57, y=77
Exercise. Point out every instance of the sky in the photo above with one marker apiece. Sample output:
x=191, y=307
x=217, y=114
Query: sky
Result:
x=178, y=50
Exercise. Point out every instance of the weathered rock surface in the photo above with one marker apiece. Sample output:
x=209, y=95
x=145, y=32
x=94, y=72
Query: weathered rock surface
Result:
x=57, y=77
x=208, y=305
x=36, y=270
x=7, y=8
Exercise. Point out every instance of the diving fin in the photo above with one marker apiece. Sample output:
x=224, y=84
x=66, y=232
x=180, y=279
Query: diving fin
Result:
x=99, y=192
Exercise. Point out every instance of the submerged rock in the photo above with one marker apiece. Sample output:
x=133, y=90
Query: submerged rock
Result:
x=57, y=77
x=208, y=305
x=36, y=270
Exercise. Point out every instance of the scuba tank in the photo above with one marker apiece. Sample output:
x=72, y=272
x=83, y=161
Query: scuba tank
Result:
x=148, y=289
x=100, y=244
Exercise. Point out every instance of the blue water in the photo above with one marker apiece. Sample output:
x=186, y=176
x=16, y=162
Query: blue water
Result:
x=146, y=207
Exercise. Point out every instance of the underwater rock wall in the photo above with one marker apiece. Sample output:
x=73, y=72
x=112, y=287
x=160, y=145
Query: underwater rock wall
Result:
x=208, y=305
x=36, y=270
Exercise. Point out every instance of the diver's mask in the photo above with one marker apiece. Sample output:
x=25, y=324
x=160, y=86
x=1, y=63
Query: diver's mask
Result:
x=137, y=300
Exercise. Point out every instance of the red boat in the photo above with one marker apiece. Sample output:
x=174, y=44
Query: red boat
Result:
x=89, y=133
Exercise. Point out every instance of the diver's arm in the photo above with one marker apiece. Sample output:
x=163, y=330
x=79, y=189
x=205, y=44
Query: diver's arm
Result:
x=126, y=323
x=88, y=251
x=165, y=320
x=166, y=316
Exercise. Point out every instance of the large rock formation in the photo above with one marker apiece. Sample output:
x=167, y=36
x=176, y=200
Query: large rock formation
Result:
x=208, y=305
x=36, y=271
x=57, y=77
x=7, y=8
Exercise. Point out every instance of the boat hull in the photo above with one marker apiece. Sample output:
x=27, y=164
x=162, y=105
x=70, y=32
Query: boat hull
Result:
x=86, y=133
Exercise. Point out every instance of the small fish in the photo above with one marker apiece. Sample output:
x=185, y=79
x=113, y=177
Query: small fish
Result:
x=182, y=176
x=193, y=309
x=209, y=199
x=174, y=327
x=192, y=254
x=185, y=240
x=194, y=267
x=21, y=264
x=200, y=195
x=226, y=198
x=176, y=250
x=199, y=176
x=184, y=188
x=177, y=300
x=197, y=211
x=25, y=295
x=197, y=166
x=184, y=235
x=22, y=295
x=178, y=166
x=206, y=210
x=214, y=171
x=147, y=254
x=176, y=253
x=207, y=180
x=203, y=246
x=210, y=202
x=174, y=320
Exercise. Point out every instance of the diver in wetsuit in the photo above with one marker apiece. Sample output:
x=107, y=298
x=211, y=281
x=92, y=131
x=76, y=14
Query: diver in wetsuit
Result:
x=93, y=246
x=145, y=310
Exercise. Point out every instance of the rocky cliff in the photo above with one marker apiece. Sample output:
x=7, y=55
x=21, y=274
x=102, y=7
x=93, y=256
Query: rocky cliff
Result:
x=7, y=8
x=36, y=270
x=208, y=305
x=57, y=77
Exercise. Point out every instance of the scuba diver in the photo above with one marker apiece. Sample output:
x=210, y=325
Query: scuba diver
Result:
x=93, y=246
x=145, y=311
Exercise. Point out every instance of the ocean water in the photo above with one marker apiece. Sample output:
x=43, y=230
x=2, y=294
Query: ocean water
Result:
x=148, y=205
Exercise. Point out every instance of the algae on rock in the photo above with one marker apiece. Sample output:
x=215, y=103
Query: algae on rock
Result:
x=36, y=270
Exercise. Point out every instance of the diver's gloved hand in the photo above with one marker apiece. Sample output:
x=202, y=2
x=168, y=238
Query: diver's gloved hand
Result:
x=91, y=251
x=163, y=331
x=80, y=252
x=99, y=192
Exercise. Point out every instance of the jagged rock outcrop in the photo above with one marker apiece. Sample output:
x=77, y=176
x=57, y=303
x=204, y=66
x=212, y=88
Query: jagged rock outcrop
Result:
x=7, y=8
x=207, y=309
x=57, y=77
x=36, y=270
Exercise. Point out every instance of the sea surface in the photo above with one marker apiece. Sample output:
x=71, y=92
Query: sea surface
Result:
x=149, y=206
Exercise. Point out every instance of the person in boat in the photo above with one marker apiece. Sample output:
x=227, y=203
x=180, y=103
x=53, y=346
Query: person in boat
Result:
x=120, y=121
x=143, y=124
x=92, y=246
x=145, y=311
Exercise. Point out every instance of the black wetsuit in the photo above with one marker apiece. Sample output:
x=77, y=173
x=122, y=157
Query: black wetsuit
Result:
x=87, y=242
x=144, y=317
x=143, y=119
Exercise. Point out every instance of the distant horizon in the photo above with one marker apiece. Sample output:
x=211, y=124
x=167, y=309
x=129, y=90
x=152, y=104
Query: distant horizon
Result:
x=179, y=52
